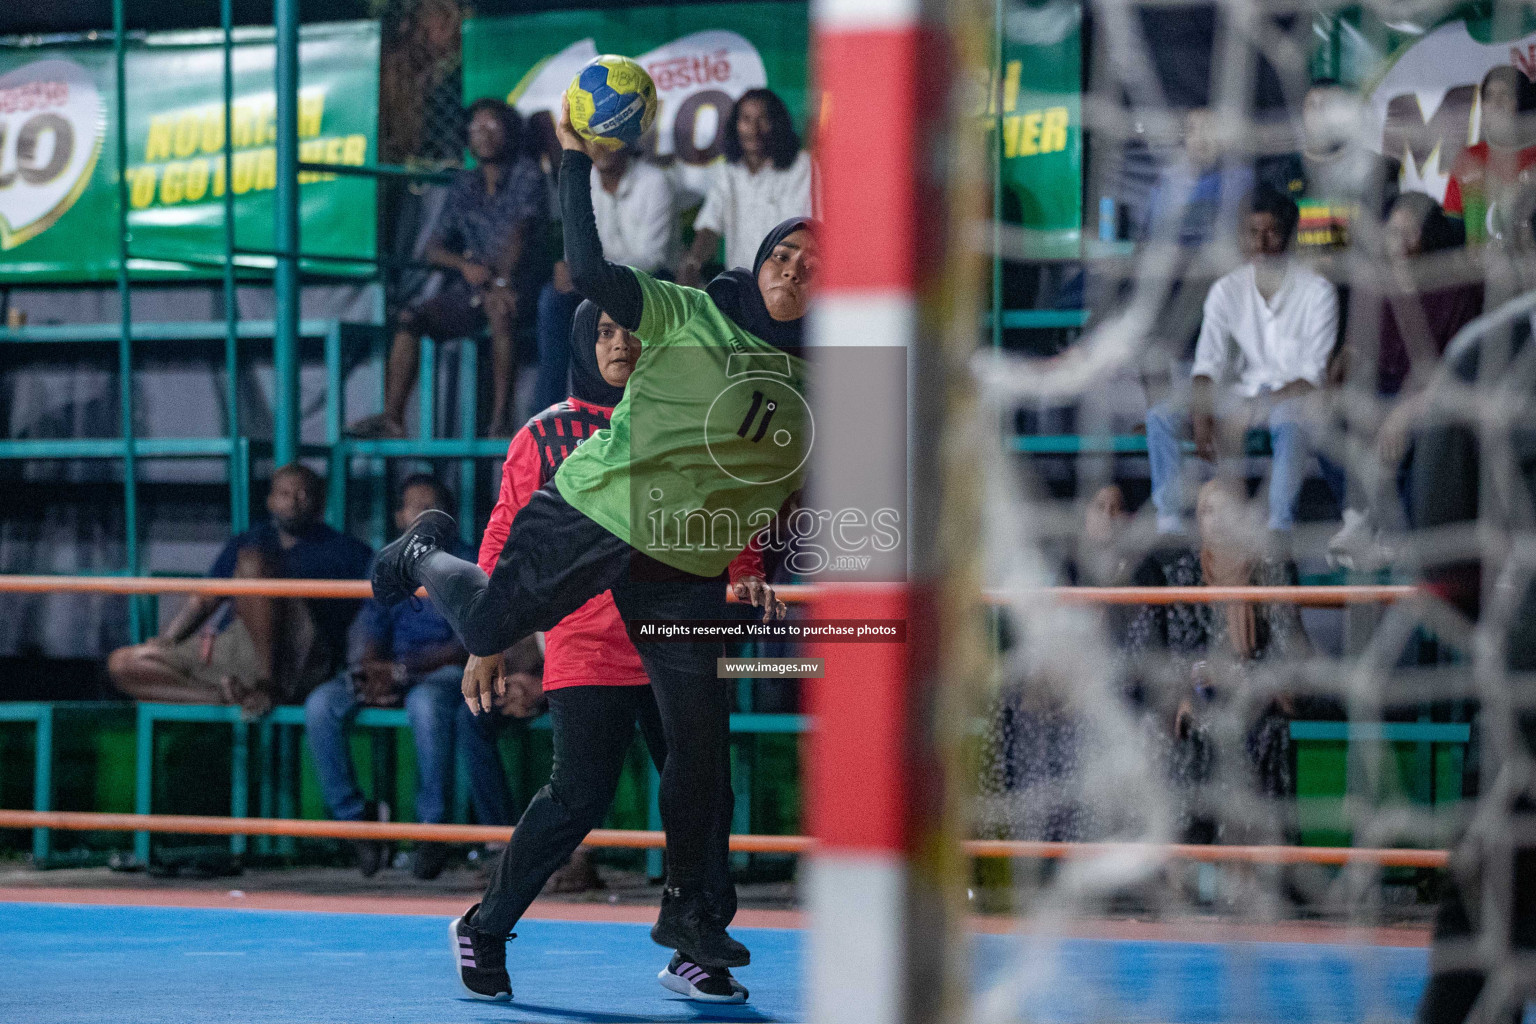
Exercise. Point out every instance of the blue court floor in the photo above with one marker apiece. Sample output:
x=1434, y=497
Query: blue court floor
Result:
x=136, y=965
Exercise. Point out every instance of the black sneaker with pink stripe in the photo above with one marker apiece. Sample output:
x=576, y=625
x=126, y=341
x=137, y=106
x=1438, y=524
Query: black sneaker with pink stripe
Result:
x=704, y=984
x=480, y=959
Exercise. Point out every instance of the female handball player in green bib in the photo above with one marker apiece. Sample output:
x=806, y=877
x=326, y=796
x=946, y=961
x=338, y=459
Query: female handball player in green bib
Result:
x=712, y=436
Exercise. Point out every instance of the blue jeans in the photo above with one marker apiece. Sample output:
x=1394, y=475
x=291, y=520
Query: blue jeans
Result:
x=1285, y=422
x=1166, y=426
x=556, y=309
x=430, y=705
x=487, y=778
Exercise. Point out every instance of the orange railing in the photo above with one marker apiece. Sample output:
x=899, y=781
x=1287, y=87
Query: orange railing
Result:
x=1310, y=597
x=980, y=848
x=1317, y=597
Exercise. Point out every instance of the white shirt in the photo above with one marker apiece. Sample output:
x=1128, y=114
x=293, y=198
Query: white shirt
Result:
x=637, y=220
x=1253, y=346
x=743, y=207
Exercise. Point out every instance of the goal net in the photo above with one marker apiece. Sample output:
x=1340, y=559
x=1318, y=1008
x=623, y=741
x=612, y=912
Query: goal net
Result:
x=1287, y=350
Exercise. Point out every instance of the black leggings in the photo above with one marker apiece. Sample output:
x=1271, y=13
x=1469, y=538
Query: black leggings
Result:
x=1457, y=967
x=592, y=729
x=554, y=560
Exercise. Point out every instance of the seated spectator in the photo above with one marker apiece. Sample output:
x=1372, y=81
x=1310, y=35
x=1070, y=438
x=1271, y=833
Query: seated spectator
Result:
x=1202, y=189
x=1336, y=178
x=765, y=180
x=1030, y=786
x=1418, y=226
x=636, y=211
x=488, y=243
x=1416, y=317
x=1214, y=647
x=1102, y=558
x=271, y=650
x=409, y=655
x=1486, y=174
x=1268, y=330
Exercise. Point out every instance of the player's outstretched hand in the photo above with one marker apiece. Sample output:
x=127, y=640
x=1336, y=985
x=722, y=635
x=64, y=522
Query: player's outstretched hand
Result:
x=484, y=681
x=756, y=590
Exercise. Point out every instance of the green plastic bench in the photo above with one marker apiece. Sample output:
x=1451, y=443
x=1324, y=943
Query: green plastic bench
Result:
x=41, y=716
x=1426, y=763
x=275, y=736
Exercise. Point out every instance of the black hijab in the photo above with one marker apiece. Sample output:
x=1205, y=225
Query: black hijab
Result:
x=737, y=295
x=587, y=381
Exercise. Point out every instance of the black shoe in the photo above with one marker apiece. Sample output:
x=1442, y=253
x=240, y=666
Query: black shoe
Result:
x=703, y=984
x=481, y=959
x=687, y=925
x=429, y=861
x=372, y=855
x=394, y=571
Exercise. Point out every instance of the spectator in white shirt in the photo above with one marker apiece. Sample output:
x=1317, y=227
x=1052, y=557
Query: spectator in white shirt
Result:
x=635, y=209
x=1269, y=328
x=765, y=180
x=635, y=206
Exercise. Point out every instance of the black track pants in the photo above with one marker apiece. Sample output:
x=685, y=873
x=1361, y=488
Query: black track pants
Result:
x=555, y=559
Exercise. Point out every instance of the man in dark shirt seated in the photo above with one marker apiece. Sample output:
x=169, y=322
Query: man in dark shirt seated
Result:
x=486, y=243
x=408, y=654
x=270, y=650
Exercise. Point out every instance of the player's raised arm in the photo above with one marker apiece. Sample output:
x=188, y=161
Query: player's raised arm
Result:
x=611, y=286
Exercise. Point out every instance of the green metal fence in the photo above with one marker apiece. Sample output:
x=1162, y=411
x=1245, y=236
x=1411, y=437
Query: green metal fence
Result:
x=286, y=331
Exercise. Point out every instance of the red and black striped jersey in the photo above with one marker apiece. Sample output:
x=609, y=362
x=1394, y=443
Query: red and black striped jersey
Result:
x=559, y=429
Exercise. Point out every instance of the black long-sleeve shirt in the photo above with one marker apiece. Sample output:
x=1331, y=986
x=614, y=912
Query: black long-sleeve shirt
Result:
x=611, y=286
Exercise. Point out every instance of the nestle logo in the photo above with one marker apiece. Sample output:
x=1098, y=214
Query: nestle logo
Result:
x=690, y=70
x=33, y=96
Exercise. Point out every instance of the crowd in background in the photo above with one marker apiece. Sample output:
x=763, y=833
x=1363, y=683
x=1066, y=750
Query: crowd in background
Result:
x=1311, y=343
x=1266, y=353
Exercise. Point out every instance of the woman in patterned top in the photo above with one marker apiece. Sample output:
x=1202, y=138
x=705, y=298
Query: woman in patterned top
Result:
x=1486, y=173
x=1205, y=657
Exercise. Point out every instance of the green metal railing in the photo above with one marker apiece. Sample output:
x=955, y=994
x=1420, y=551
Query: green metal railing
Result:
x=286, y=330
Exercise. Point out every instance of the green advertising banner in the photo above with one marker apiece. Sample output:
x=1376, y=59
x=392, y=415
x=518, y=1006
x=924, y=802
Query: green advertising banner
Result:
x=701, y=56
x=704, y=56
x=1042, y=128
x=58, y=153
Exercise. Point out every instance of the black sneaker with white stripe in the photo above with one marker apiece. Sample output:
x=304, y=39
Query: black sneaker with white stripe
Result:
x=481, y=959
x=394, y=577
x=704, y=984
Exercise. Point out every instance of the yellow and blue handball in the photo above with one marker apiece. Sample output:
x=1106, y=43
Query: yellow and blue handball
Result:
x=613, y=101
